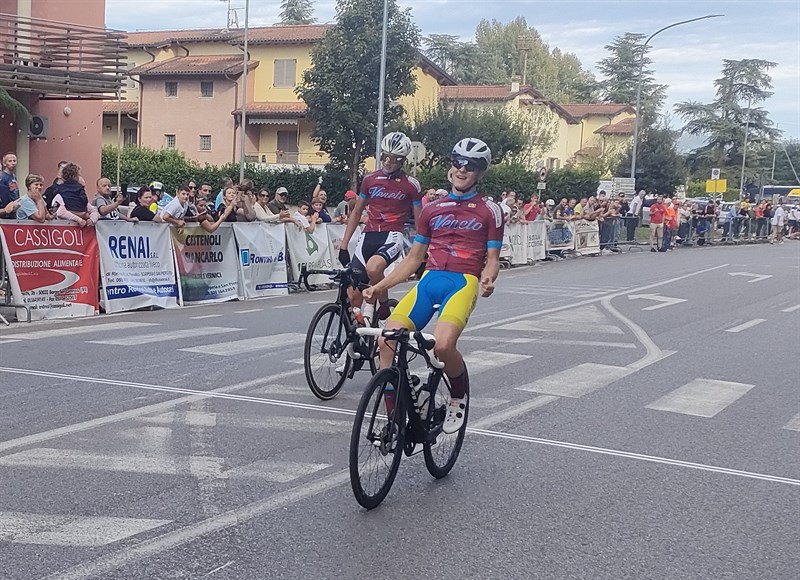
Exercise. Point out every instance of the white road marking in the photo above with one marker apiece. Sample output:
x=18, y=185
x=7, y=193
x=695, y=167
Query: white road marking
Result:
x=170, y=335
x=701, y=397
x=10, y=340
x=638, y=456
x=483, y=360
x=794, y=424
x=755, y=277
x=37, y=438
x=72, y=330
x=574, y=305
x=791, y=308
x=664, y=300
x=285, y=306
x=592, y=343
x=189, y=418
x=510, y=413
x=746, y=325
x=586, y=319
x=248, y=311
x=317, y=302
x=486, y=402
x=276, y=471
x=210, y=419
x=205, y=316
x=74, y=531
x=247, y=345
x=577, y=381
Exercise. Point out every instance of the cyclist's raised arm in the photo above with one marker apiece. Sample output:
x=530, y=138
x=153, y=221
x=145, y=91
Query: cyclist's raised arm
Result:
x=354, y=219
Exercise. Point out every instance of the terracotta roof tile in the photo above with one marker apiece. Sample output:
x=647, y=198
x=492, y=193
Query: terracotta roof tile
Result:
x=485, y=92
x=194, y=65
x=579, y=111
x=294, y=109
x=298, y=34
x=624, y=127
x=126, y=107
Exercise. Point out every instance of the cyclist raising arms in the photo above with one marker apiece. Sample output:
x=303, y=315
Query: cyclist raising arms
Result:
x=462, y=234
x=390, y=194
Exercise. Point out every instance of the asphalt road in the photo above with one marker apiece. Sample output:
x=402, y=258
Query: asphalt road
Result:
x=633, y=416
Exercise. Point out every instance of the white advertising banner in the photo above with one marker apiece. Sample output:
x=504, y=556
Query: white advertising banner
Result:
x=335, y=235
x=514, y=240
x=137, y=266
x=312, y=250
x=587, y=237
x=535, y=234
x=560, y=236
x=262, y=259
x=207, y=264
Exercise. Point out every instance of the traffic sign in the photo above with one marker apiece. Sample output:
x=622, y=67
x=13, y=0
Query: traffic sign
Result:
x=626, y=185
x=716, y=185
x=715, y=173
x=418, y=152
x=541, y=186
x=542, y=174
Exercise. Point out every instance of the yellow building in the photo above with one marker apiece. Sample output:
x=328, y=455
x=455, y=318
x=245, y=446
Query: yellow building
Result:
x=575, y=134
x=187, y=89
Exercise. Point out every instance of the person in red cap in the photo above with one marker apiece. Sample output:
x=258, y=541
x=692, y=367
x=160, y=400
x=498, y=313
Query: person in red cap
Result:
x=343, y=209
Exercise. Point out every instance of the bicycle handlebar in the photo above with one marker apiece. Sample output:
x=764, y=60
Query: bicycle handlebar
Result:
x=351, y=281
x=426, y=342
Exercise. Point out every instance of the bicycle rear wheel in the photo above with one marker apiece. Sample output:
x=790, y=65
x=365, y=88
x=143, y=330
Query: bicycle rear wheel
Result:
x=325, y=349
x=376, y=443
x=442, y=453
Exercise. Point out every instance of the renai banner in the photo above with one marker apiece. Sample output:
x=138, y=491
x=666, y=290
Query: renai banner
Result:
x=207, y=264
x=137, y=266
x=262, y=259
x=312, y=250
x=53, y=269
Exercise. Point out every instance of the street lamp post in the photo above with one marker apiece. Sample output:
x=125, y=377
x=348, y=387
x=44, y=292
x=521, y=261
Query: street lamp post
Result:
x=243, y=119
x=382, y=83
x=744, y=151
x=639, y=84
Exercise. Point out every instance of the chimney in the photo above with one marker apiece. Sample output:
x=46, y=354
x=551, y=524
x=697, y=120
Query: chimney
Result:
x=515, y=84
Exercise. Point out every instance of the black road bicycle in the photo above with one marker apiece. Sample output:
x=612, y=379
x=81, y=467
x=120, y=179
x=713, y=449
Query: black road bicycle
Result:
x=333, y=351
x=378, y=441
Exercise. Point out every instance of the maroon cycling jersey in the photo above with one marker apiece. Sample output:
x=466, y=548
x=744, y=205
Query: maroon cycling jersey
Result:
x=458, y=231
x=390, y=198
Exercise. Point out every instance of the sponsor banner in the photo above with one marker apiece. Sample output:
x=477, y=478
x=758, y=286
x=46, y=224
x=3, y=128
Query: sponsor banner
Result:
x=262, y=259
x=137, y=266
x=535, y=234
x=310, y=250
x=53, y=269
x=335, y=235
x=560, y=236
x=514, y=244
x=587, y=237
x=207, y=263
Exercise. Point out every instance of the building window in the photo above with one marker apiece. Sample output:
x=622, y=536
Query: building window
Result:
x=169, y=141
x=205, y=142
x=553, y=163
x=171, y=89
x=129, y=137
x=285, y=72
x=207, y=89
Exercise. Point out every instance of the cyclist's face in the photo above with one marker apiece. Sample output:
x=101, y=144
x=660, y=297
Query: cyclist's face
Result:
x=391, y=163
x=463, y=179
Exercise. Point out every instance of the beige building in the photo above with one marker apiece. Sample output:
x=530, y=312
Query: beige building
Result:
x=187, y=89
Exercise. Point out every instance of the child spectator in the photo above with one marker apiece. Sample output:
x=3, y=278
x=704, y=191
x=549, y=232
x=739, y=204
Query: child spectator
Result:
x=174, y=212
x=71, y=200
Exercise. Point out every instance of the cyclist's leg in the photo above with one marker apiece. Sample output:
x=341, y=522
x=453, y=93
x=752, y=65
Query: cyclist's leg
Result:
x=358, y=264
x=413, y=312
x=384, y=255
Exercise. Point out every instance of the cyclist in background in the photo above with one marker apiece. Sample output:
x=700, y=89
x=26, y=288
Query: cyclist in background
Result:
x=462, y=234
x=389, y=194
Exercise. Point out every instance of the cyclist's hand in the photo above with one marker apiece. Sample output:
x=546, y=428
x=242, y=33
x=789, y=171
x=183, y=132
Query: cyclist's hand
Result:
x=487, y=286
x=344, y=257
x=368, y=293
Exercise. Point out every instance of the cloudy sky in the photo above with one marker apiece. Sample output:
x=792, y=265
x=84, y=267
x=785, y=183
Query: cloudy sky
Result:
x=687, y=58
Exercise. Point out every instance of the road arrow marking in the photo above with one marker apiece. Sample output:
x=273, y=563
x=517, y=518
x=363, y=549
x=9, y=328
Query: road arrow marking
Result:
x=755, y=277
x=665, y=300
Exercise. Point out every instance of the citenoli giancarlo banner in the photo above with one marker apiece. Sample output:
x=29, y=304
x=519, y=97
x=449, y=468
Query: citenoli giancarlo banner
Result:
x=52, y=268
x=207, y=263
x=262, y=259
x=137, y=266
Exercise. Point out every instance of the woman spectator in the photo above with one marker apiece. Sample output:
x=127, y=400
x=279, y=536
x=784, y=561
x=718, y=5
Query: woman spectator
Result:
x=142, y=211
x=204, y=218
x=231, y=197
x=71, y=200
x=32, y=206
x=263, y=212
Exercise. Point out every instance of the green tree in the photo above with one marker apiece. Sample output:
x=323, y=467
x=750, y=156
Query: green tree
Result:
x=571, y=182
x=511, y=136
x=297, y=12
x=744, y=84
x=659, y=166
x=341, y=86
x=460, y=59
x=621, y=74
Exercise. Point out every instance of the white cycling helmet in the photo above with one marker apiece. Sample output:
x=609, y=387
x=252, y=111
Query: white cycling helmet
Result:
x=474, y=150
x=396, y=143
x=157, y=185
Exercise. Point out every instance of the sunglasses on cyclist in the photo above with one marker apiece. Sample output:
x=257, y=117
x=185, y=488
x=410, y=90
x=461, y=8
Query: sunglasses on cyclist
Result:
x=392, y=158
x=468, y=164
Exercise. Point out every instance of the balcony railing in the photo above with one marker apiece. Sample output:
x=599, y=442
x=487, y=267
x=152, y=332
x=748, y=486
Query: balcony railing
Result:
x=58, y=59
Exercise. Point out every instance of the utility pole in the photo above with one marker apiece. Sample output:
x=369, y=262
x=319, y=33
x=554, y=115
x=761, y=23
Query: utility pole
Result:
x=524, y=45
x=382, y=84
x=744, y=150
x=243, y=126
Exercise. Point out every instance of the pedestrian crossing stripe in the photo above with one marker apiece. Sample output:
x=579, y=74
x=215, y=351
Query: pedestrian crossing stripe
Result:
x=577, y=381
x=168, y=336
x=73, y=330
x=249, y=345
x=484, y=360
x=701, y=397
x=585, y=319
x=71, y=530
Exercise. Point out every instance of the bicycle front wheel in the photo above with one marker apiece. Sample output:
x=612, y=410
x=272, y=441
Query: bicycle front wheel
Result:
x=325, y=359
x=441, y=453
x=376, y=443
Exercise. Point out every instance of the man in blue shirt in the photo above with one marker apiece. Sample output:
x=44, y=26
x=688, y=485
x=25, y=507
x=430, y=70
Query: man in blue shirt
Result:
x=9, y=190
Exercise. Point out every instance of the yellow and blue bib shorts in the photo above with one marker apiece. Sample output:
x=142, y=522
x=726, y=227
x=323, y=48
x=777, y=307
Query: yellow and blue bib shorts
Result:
x=456, y=293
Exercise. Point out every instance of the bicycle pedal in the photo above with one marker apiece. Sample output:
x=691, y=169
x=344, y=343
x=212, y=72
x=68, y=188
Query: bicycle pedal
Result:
x=412, y=449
